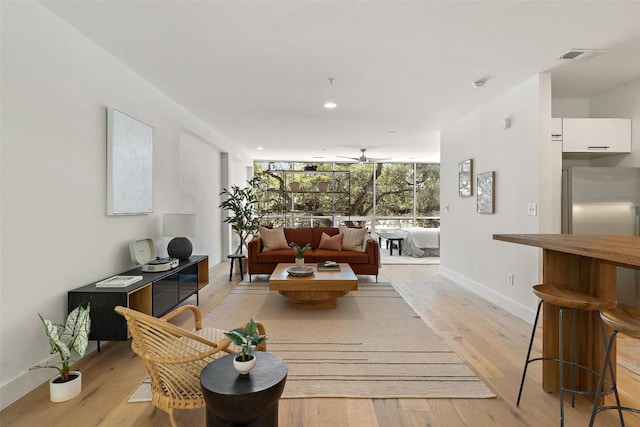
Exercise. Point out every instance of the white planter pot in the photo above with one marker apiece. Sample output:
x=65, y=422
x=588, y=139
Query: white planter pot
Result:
x=244, y=367
x=299, y=262
x=60, y=392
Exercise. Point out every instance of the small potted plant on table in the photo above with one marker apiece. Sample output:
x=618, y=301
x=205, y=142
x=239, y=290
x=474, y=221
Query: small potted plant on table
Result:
x=300, y=250
x=248, y=338
x=72, y=336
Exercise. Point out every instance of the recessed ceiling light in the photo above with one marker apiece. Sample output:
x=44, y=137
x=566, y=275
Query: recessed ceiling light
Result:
x=330, y=105
x=260, y=148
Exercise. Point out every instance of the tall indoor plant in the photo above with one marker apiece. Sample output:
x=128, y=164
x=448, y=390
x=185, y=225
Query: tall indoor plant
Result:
x=243, y=215
x=72, y=336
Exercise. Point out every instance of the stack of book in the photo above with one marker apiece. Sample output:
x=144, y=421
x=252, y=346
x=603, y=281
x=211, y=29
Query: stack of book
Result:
x=328, y=266
x=118, y=281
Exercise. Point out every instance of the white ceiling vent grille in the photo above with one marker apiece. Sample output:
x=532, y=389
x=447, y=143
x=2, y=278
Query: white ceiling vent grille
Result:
x=580, y=53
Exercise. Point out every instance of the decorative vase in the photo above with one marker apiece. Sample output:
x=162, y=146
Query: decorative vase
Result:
x=294, y=186
x=63, y=391
x=323, y=186
x=243, y=367
x=299, y=262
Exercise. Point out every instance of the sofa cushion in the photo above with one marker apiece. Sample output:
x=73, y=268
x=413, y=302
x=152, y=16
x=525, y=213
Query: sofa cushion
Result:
x=280, y=255
x=331, y=243
x=317, y=234
x=272, y=239
x=351, y=257
x=353, y=239
x=301, y=236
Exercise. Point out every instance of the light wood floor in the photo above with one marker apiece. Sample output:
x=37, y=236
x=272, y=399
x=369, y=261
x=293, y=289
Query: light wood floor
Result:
x=489, y=340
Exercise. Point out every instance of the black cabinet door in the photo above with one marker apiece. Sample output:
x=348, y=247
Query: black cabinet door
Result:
x=188, y=282
x=106, y=324
x=165, y=294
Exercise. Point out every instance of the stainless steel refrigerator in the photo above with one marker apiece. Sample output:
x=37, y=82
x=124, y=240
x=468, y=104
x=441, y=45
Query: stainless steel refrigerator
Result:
x=605, y=200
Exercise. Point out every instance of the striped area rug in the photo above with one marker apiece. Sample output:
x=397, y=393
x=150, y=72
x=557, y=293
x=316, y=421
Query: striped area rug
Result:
x=372, y=346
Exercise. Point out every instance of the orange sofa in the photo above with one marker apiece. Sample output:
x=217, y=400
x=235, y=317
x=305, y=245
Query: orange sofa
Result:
x=264, y=262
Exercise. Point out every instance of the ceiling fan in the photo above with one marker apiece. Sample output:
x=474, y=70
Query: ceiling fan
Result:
x=364, y=159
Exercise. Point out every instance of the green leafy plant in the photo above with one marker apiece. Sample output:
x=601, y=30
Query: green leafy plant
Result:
x=300, y=250
x=247, y=338
x=243, y=213
x=72, y=336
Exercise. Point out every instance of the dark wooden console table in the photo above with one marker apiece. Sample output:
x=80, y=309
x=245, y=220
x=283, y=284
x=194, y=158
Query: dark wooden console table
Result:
x=243, y=400
x=585, y=263
x=156, y=294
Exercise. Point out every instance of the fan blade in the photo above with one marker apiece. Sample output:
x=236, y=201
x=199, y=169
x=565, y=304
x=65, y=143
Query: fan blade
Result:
x=350, y=158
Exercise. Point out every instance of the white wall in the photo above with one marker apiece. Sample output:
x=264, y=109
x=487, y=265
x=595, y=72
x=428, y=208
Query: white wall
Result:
x=55, y=235
x=570, y=107
x=528, y=170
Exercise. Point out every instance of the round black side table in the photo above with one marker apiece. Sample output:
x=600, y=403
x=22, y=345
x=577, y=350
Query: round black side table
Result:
x=251, y=400
x=234, y=257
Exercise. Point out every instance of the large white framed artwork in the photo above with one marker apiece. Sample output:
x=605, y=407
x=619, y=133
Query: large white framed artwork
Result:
x=129, y=165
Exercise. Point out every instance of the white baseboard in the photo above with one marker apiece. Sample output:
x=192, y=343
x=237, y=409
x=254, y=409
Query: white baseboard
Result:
x=513, y=307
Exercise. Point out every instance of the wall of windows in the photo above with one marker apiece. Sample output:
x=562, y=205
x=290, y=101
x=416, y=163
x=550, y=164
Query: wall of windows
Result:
x=380, y=196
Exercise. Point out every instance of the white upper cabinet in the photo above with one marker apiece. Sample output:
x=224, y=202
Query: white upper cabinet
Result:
x=596, y=136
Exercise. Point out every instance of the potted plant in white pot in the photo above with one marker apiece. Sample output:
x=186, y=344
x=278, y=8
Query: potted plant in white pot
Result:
x=72, y=336
x=243, y=215
x=248, y=338
x=300, y=250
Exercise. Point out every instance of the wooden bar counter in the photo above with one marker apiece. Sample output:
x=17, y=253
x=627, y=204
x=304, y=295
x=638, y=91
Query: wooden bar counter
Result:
x=585, y=263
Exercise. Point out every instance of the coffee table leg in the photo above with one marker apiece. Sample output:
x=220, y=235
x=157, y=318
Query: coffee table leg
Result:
x=314, y=300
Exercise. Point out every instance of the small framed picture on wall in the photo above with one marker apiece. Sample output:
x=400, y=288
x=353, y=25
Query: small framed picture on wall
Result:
x=465, y=178
x=485, y=192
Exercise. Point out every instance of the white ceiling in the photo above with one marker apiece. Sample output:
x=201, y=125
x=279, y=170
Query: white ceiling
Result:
x=258, y=71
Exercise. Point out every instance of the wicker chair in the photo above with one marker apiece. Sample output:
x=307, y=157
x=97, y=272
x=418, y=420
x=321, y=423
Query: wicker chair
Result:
x=175, y=356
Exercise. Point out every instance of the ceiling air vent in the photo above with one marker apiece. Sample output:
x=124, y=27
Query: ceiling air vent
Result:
x=580, y=53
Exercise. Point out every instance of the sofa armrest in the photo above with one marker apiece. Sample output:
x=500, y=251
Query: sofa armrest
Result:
x=373, y=251
x=254, y=248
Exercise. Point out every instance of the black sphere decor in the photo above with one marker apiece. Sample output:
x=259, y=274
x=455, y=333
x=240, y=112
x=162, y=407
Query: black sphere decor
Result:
x=180, y=247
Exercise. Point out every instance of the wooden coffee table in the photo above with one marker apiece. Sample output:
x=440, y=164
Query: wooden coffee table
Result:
x=321, y=290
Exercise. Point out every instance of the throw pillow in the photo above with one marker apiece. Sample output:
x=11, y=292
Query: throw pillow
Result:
x=330, y=243
x=353, y=238
x=272, y=239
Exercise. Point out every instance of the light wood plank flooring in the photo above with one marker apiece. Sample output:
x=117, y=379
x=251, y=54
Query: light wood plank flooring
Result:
x=491, y=341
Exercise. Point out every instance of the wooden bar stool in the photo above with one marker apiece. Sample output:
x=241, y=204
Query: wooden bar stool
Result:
x=564, y=298
x=627, y=321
